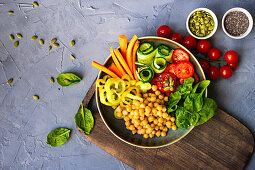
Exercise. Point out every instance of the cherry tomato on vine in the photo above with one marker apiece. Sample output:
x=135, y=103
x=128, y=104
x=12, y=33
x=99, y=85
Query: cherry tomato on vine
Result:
x=213, y=73
x=233, y=65
x=231, y=57
x=184, y=70
x=189, y=42
x=180, y=55
x=203, y=46
x=226, y=72
x=177, y=37
x=164, y=31
x=205, y=65
x=214, y=54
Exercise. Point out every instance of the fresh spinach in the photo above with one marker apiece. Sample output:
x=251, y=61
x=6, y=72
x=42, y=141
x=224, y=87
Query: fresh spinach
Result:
x=194, y=102
x=185, y=119
x=173, y=100
x=68, y=79
x=201, y=86
x=84, y=120
x=186, y=88
x=58, y=137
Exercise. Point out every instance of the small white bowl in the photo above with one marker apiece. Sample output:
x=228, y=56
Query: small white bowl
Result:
x=214, y=19
x=250, y=22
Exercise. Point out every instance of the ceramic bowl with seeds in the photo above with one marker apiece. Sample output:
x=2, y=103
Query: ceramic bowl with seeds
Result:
x=202, y=23
x=237, y=23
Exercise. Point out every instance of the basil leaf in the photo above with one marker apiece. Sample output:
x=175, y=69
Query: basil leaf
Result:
x=58, y=137
x=208, y=111
x=84, y=120
x=185, y=119
x=68, y=79
x=173, y=100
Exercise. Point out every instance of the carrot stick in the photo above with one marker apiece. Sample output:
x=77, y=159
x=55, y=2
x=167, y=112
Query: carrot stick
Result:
x=129, y=53
x=123, y=45
x=104, y=69
x=134, y=58
x=123, y=63
x=115, y=69
x=116, y=62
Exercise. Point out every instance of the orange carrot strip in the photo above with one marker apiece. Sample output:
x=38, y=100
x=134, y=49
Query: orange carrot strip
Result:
x=116, y=62
x=134, y=59
x=129, y=53
x=123, y=63
x=115, y=69
x=104, y=69
x=123, y=45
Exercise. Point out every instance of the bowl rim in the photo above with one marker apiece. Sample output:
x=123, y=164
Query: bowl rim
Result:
x=158, y=146
x=247, y=13
x=214, y=19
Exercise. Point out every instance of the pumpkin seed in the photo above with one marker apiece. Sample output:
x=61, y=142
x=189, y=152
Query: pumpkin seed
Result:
x=52, y=80
x=50, y=47
x=16, y=44
x=66, y=81
x=72, y=43
x=56, y=44
x=35, y=4
x=9, y=81
x=11, y=37
x=53, y=40
x=36, y=97
x=72, y=57
x=19, y=36
x=10, y=12
x=34, y=37
x=41, y=41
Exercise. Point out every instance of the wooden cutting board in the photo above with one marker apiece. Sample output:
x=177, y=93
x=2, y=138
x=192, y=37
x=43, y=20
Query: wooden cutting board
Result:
x=221, y=143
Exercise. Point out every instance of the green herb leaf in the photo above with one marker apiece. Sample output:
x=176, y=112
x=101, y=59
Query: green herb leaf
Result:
x=186, y=88
x=194, y=102
x=173, y=100
x=58, y=137
x=201, y=86
x=185, y=119
x=68, y=79
x=84, y=120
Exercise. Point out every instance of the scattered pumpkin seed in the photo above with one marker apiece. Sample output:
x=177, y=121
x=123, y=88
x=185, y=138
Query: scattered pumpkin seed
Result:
x=9, y=81
x=16, y=44
x=34, y=37
x=35, y=4
x=72, y=57
x=11, y=37
x=36, y=97
x=52, y=80
x=72, y=43
x=10, y=12
x=41, y=41
x=56, y=44
x=53, y=40
x=66, y=81
x=19, y=36
x=50, y=47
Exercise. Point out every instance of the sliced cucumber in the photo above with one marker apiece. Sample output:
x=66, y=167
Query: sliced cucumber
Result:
x=159, y=64
x=146, y=53
x=145, y=74
x=164, y=51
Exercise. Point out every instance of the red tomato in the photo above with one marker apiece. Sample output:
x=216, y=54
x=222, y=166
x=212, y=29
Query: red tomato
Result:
x=213, y=73
x=214, y=54
x=203, y=46
x=163, y=83
x=189, y=42
x=184, y=70
x=177, y=37
x=226, y=72
x=180, y=55
x=196, y=78
x=205, y=65
x=231, y=57
x=233, y=65
x=181, y=81
x=170, y=68
x=164, y=31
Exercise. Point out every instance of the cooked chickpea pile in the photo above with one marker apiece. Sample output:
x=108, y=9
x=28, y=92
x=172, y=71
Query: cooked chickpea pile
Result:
x=148, y=118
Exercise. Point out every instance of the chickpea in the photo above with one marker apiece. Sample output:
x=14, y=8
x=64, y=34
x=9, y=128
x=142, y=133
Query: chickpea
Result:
x=119, y=109
x=160, y=124
x=142, y=131
x=159, y=107
x=153, y=99
x=148, y=99
x=124, y=112
x=156, y=104
x=153, y=125
x=163, y=133
x=160, y=114
x=134, y=132
x=132, y=127
x=153, y=132
x=145, y=102
x=153, y=95
x=158, y=101
x=139, y=131
x=161, y=127
x=137, y=104
x=119, y=114
x=154, y=110
x=149, y=130
x=145, y=135
x=149, y=94
x=165, y=115
x=132, y=121
x=166, y=98
x=158, y=133
x=147, y=126
x=133, y=106
x=136, y=112
x=161, y=96
x=157, y=92
x=150, y=104
x=155, y=121
x=139, y=127
x=142, y=105
x=136, y=117
x=168, y=124
x=151, y=135
x=165, y=129
x=174, y=127
x=144, y=122
x=151, y=118
x=147, y=114
x=141, y=117
x=127, y=123
x=156, y=128
x=163, y=108
x=137, y=122
x=145, y=95
x=154, y=88
x=147, y=109
x=162, y=102
x=130, y=116
x=129, y=108
x=126, y=118
x=141, y=111
x=172, y=119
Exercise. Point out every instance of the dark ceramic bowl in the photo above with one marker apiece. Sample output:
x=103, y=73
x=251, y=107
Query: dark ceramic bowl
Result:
x=117, y=127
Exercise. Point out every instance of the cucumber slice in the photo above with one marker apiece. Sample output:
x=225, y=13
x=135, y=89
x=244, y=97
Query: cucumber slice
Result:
x=146, y=53
x=164, y=51
x=159, y=64
x=145, y=74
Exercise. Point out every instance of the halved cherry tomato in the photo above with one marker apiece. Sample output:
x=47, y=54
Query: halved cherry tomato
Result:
x=184, y=70
x=164, y=84
x=170, y=68
x=180, y=55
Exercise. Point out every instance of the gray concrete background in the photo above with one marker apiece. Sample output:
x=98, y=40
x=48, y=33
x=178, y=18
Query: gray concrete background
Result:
x=95, y=25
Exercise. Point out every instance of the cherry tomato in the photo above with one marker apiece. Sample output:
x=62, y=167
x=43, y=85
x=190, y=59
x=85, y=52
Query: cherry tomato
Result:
x=177, y=37
x=196, y=78
x=164, y=85
x=164, y=31
x=231, y=57
x=214, y=54
x=189, y=42
x=203, y=46
x=213, y=73
x=184, y=70
x=180, y=55
x=170, y=68
x=226, y=72
x=233, y=65
x=205, y=65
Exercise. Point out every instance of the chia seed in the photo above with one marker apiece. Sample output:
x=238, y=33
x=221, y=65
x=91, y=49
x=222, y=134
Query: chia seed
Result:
x=236, y=23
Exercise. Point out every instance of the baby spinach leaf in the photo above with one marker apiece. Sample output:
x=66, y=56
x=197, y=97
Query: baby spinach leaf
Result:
x=194, y=102
x=84, y=120
x=58, y=137
x=68, y=79
x=185, y=119
x=186, y=88
x=208, y=111
x=201, y=86
x=173, y=100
